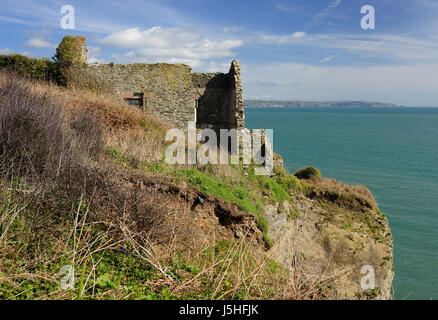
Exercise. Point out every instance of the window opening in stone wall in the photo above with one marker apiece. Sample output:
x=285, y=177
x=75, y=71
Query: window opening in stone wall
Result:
x=196, y=109
x=137, y=99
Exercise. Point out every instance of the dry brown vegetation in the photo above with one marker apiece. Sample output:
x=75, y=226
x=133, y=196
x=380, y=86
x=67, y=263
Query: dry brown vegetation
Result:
x=355, y=197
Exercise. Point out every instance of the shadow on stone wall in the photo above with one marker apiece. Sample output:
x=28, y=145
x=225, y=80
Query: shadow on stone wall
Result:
x=220, y=104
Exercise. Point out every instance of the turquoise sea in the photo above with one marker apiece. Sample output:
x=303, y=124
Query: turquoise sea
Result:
x=392, y=151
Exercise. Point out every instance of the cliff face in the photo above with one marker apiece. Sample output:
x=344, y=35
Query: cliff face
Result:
x=333, y=239
x=326, y=234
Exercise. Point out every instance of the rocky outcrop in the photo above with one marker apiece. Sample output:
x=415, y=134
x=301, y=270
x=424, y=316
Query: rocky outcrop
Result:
x=194, y=219
x=330, y=241
x=328, y=237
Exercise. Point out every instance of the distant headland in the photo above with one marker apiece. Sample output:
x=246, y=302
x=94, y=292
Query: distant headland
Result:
x=285, y=103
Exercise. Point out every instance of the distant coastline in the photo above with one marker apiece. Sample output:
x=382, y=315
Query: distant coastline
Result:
x=284, y=103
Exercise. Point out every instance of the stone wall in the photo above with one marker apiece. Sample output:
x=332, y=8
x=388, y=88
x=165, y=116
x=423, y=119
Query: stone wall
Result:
x=165, y=88
x=237, y=112
x=220, y=101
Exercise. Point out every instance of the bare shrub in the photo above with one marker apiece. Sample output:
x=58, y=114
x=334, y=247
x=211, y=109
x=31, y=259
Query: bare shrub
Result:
x=89, y=134
x=35, y=141
x=31, y=132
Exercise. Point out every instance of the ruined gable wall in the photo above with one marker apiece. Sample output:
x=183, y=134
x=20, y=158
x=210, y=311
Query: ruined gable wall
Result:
x=236, y=115
x=220, y=98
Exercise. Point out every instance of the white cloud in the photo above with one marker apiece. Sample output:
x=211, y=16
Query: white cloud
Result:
x=318, y=17
x=39, y=43
x=213, y=66
x=89, y=16
x=6, y=51
x=282, y=39
x=384, y=46
x=93, y=55
x=232, y=29
x=14, y=20
x=327, y=59
x=393, y=47
x=401, y=84
x=155, y=37
x=172, y=45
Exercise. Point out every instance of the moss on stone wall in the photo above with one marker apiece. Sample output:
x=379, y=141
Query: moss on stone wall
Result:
x=167, y=87
x=71, y=51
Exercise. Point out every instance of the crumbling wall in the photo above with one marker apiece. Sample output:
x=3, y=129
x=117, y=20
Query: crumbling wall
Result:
x=220, y=100
x=72, y=51
x=165, y=88
x=236, y=117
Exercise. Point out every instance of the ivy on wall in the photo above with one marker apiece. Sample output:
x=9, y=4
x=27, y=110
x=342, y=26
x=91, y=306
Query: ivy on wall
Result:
x=69, y=52
x=39, y=69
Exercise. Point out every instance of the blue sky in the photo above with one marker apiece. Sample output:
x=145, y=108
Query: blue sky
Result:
x=301, y=49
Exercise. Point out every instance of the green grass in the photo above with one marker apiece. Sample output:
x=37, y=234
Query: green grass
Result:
x=116, y=155
x=115, y=276
x=31, y=259
x=249, y=192
x=227, y=256
x=290, y=182
x=245, y=200
x=278, y=193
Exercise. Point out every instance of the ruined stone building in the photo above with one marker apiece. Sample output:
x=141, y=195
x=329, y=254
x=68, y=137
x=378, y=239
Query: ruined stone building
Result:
x=173, y=91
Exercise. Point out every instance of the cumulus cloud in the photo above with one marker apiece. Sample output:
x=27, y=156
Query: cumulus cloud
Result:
x=170, y=45
x=93, y=55
x=39, y=43
x=7, y=51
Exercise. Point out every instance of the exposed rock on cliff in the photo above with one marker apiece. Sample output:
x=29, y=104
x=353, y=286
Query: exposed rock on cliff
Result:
x=335, y=236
